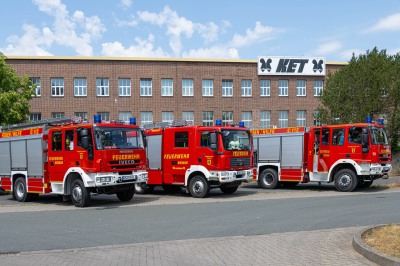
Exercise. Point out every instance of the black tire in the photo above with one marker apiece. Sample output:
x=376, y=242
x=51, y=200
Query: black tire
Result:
x=21, y=191
x=80, y=195
x=346, y=180
x=289, y=184
x=268, y=179
x=199, y=187
x=229, y=190
x=143, y=188
x=126, y=195
x=365, y=183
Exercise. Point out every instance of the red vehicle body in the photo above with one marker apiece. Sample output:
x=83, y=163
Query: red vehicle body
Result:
x=350, y=155
x=198, y=158
x=70, y=159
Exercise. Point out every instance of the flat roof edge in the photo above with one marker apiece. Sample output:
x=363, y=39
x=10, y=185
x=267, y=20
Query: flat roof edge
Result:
x=166, y=59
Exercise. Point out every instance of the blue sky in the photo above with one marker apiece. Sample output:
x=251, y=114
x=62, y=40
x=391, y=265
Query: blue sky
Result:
x=234, y=29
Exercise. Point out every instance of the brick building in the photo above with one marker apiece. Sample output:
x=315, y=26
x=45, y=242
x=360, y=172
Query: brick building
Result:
x=154, y=90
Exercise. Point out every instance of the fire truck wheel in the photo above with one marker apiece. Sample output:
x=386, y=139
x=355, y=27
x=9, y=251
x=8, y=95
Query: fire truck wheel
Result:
x=268, y=179
x=80, y=196
x=229, y=190
x=198, y=187
x=126, y=195
x=346, y=180
x=20, y=190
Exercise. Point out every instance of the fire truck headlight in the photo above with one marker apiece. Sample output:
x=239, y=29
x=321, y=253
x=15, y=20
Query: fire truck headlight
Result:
x=103, y=179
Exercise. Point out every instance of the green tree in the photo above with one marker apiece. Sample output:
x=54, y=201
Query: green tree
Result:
x=369, y=85
x=15, y=93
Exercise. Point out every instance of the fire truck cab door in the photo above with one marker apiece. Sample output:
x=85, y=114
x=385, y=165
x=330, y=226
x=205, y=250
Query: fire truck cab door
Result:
x=321, y=153
x=61, y=155
x=176, y=156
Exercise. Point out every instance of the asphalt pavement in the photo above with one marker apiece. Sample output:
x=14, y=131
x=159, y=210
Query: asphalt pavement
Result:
x=309, y=247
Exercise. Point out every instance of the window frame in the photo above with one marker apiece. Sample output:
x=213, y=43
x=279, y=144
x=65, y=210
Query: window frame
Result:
x=57, y=87
x=247, y=87
x=102, y=88
x=80, y=87
x=283, y=90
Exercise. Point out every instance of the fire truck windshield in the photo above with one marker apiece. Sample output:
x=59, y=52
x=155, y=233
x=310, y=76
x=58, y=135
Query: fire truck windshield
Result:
x=236, y=139
x=118, y=138
x=378, y=135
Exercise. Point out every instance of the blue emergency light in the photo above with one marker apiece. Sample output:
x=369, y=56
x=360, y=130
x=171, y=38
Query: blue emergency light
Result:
x=132, y=120
x=368, y=119
x=218, y=122
x=97, y=118
x=381, y=121
x=241, y=124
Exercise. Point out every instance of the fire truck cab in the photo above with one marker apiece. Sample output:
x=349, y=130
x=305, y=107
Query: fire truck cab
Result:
x=72, y=159
x=198, y=158
x=350, y=155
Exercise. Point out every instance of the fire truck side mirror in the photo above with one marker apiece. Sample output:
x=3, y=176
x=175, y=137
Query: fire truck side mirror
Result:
x=84, y=135
x=213, y=141
x=365, y=142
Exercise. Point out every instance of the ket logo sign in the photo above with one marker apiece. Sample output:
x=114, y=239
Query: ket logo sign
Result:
x=288, y=65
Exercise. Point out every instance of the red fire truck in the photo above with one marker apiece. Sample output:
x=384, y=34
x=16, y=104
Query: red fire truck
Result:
x=72, y=159
x=351, y=155
x=198, y=158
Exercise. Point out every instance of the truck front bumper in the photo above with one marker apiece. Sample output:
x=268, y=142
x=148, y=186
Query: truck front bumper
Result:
x=112, y=179
x=380, y=169
x=231, y=176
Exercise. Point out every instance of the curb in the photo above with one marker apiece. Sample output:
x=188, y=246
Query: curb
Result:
x=371, y=253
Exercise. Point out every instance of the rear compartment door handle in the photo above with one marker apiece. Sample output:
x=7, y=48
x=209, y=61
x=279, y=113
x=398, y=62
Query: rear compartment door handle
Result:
x=174, y=162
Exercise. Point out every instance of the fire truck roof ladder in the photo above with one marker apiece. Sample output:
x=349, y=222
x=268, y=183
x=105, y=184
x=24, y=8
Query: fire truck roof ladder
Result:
x=175, y=123
x=51, y=121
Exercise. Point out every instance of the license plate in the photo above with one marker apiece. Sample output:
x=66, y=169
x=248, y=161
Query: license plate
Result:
x=128, y=177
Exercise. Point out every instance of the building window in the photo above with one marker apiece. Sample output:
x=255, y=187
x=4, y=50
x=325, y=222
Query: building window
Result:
x=57, y=115
x=265, y=119
x=227, y=118
x=246, y=88
x=283, y=87
x=146, y=118
x=265, y=87
x=227, y=88
x=283, y=118
x=301, y=87
x=208, y=118
x=167, y=88
x=247, y=118
x=124, y=87
x=187, y=87
x=102, y=87
x=124, y=116
x=318, y=87
x=36, y=81
x=167, y=116
x=82, y=115
x=80, y=87
x=57, y=87
x=317, y=122
x=146, y=87
x=188, y=116
x=35, y=117
x=208, y=87
x=301, y=118
x=105, y=116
